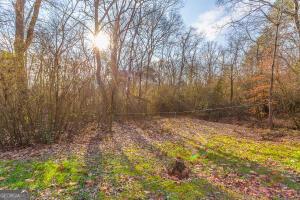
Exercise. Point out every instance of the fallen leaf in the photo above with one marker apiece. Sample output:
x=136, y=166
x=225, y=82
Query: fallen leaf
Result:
x=89, y=183
x=29, y=180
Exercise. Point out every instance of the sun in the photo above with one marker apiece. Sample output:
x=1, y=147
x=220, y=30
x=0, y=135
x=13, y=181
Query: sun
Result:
x=101, y=41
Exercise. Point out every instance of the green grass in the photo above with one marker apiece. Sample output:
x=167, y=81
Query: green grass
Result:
x=136, y=174
x=139, y=170
x=284, y=154
x=40, y=175
x=244, y=157
x=264, y=158
x=227, y=154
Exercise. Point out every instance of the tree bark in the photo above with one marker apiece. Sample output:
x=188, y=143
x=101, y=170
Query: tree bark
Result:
x=21, y=44
x=272, y=76
x=296, y=15
x=100, y=82
x=297, y=20
x=114, y=69
x=231, y=84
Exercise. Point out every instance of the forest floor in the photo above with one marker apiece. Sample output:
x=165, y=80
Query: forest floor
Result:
x=226, y=162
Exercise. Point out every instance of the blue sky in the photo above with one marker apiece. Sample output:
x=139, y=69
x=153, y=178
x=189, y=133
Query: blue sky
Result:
x=193, y=8
x=205, y=16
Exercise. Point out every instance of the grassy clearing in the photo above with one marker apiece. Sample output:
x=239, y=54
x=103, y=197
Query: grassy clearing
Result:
x=59, y=177
x=137, y=175
x=128, y=167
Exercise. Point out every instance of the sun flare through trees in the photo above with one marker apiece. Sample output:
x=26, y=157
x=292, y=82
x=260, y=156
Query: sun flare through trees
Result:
x=150, y=99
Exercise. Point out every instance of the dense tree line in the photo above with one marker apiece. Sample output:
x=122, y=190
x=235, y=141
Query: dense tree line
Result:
x=53, y=78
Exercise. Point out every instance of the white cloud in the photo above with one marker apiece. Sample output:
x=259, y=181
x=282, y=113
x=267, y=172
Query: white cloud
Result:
x=213, y=22
x=210, y=23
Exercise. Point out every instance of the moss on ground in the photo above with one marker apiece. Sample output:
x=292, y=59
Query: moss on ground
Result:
x=138, y=170
x=284, y=154
x=58, y=176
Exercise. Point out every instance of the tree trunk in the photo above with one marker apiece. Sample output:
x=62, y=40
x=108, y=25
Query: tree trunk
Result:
x=114, y=69
x=297, y=20
x=272, y=76
x=100, y=82
x=148, y=68
x=231, y=84
x=234, y=64
x=19, y=46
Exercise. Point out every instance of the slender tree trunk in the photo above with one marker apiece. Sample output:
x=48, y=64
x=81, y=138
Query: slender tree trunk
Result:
x=19, y=46
x=231, y=84
x=128, y=85
x=297, y=20
x=114, y=69
x=148, y=69
x=100, y=82
x=181, y=70
x=233, y=65
x=272, y=76
x=140, y=79
x=57, y=104
x=296, y=16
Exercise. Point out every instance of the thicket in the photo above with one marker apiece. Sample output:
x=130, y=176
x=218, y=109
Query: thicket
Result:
x=54, y=81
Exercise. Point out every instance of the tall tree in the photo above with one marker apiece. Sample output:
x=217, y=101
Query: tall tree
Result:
x=24, y=37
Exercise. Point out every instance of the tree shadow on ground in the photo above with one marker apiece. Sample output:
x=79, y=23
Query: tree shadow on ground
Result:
x=142, y=141
x=245, y=168
x=91, y=179
x=159, y=184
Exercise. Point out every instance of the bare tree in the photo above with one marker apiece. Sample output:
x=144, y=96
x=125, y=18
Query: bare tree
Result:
x=24, y=37
x=272, y=14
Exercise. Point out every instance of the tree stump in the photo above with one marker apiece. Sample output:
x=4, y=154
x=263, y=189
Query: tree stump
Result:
x=179, y=169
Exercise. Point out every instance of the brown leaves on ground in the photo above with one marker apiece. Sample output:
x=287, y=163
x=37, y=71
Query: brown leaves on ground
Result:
x=148, y=133
x=64, y=148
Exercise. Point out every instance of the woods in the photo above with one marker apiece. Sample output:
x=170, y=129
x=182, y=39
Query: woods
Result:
x=54, y=77
x=153, y=63
x=121, y=99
